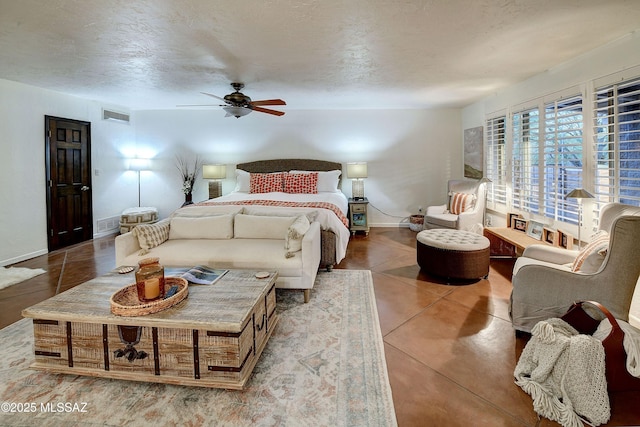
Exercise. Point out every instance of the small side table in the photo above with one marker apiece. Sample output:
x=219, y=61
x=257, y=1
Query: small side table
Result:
x=358, y=215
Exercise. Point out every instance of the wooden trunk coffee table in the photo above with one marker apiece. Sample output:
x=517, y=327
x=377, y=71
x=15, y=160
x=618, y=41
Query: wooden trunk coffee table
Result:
x=213, y=338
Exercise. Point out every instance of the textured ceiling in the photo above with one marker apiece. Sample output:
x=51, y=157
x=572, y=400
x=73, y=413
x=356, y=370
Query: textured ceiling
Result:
x=148, y=54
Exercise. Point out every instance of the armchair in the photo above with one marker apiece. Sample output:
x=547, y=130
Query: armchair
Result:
x=471, y=219
x=545, y=286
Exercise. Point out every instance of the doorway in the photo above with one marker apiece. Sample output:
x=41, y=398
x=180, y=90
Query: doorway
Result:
x=68, y=174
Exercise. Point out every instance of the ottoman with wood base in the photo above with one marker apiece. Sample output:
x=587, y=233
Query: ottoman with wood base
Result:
x=454, y=254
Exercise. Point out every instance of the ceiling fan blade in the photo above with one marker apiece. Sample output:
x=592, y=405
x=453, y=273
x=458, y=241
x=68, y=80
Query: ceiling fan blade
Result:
x=269, y=102
x=268, y=111
x=215, y=96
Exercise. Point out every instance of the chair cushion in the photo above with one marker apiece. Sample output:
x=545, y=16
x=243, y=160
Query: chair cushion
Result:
x=446, y=220
x=461, y=202
x=591, y=256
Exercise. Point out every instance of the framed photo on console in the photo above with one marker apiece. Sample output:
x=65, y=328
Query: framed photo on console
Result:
x=510, y=218
x=534, y=229
x=550, y=236
x=519, y=224
x=565, y=240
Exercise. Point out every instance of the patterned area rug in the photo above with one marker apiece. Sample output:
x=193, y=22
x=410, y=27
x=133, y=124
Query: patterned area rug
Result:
x=13, y=275
x=323, y=366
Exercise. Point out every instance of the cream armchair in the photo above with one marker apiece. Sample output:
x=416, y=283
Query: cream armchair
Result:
x=469, y=220
x=545, y=286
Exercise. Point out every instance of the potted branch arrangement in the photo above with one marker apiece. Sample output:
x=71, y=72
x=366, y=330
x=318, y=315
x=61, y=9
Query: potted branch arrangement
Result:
x=189, y=172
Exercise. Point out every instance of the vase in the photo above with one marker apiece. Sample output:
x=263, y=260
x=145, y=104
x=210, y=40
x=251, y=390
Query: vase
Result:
x=188, y=199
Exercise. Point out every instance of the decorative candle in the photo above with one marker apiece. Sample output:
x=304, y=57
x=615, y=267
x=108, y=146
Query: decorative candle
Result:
x=150, y=280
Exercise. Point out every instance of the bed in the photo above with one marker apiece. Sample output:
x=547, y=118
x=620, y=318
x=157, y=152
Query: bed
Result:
x=329, y=205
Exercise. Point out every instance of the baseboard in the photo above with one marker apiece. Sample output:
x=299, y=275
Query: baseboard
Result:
x=23, y=257
x=389, y=224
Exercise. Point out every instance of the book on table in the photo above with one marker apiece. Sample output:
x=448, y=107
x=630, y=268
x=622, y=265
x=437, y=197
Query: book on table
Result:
x=199, y=275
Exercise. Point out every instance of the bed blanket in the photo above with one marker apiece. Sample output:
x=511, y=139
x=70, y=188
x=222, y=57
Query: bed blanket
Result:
x=284, y=204
x=564, y=373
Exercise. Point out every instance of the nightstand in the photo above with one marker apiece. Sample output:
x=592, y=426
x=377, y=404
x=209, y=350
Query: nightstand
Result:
x=358, y=215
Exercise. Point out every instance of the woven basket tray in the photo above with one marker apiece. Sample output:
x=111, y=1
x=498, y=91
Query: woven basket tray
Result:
x=125, y=302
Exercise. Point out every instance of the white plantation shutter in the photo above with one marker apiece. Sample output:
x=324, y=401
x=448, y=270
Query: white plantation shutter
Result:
x=496, y=167
x=525, y=168
x=563, y=158
x=617, y=143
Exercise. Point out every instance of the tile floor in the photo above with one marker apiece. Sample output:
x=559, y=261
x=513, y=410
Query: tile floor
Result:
x=450, y=349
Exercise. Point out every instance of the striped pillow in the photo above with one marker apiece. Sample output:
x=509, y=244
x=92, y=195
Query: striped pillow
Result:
x=591, y=256
x=152, y=235
x=266, y=182
x=461, y=202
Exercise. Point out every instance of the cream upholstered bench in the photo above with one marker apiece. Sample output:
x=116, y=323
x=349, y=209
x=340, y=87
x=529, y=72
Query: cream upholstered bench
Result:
x=454, y=254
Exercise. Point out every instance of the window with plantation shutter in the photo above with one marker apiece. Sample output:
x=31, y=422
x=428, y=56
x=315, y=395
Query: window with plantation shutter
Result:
x=617, y=143
x=496, y=167
x=563, y=158
x=525, y=174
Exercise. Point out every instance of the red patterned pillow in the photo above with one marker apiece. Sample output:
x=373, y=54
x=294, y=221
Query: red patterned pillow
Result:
x=301, y=183
x=461, y=202
x=266, y=182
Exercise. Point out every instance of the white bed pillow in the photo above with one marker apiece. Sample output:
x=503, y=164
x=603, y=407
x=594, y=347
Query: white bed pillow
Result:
x=327, y=181
x=243, y=181
x=206, y=227
x=262, y=227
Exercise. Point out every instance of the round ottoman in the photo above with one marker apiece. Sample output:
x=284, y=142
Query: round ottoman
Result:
x=454, y=254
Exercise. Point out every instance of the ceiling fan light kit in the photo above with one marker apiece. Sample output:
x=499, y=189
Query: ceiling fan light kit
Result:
x=238, y=104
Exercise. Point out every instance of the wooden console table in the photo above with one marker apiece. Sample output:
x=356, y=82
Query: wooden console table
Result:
x=507, y=242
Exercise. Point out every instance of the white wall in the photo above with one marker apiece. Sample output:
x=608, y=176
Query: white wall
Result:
x=23, y=218
x=410, y=153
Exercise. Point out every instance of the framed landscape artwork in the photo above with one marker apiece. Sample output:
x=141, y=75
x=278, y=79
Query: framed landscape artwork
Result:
x=473, y=153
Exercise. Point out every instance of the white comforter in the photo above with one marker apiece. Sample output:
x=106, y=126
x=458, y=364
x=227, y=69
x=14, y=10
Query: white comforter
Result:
x=327, y=218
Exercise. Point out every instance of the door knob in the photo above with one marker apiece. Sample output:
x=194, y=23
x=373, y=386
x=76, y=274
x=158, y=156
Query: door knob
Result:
x=84, y=188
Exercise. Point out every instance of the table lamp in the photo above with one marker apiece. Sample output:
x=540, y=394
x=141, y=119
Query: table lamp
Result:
x=579, y=194
x=215, y=173
x=356, y=172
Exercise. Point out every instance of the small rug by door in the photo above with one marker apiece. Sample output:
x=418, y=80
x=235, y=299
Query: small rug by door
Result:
x=12, y=275
x=324, y=365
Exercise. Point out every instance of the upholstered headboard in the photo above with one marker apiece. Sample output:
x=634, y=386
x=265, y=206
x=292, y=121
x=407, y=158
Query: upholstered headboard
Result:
x=283, y=165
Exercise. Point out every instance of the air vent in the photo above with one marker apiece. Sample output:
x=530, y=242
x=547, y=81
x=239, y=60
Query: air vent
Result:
x=114, y=115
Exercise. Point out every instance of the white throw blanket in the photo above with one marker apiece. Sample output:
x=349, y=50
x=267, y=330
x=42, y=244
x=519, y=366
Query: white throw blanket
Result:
x=564, y=373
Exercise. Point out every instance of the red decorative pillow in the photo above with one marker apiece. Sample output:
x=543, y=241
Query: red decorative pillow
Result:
x=301, y=183
x=461, y=202
x=266, y=182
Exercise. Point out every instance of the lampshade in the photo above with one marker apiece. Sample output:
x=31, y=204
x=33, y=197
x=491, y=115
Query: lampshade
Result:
x=139, y=164
x=236, y=111
x=484, y=180
x=214, y=171
x=356, y=170
x=579, y=193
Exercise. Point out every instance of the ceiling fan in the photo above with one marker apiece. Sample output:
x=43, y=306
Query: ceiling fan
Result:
x=238, y=104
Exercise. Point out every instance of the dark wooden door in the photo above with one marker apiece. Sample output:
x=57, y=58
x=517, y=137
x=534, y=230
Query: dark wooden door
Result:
x=68, y=163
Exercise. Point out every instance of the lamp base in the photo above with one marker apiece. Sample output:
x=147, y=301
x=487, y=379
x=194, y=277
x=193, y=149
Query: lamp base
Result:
x=215, y=189
x=357, y=189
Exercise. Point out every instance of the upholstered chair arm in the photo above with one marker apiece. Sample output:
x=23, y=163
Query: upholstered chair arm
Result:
x=436, y=210
x=542, y=292
x=550, y=254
